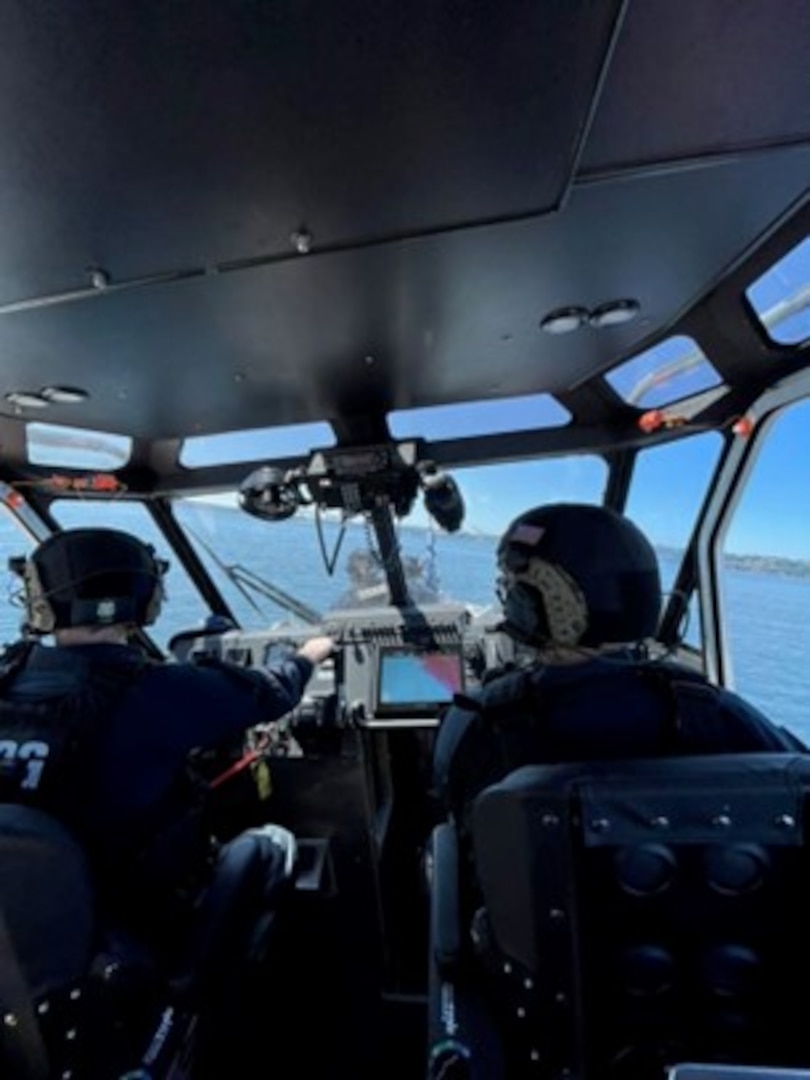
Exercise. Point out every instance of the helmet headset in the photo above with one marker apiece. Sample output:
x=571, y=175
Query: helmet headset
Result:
x=91, y=577
x=578, y=575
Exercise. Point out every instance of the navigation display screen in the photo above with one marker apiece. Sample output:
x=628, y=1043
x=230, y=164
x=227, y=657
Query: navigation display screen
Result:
x=415, y=682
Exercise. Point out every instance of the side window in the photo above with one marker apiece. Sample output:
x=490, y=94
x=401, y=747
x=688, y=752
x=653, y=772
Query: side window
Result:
x=13, y=541
x=668, y=488
x=766, y=576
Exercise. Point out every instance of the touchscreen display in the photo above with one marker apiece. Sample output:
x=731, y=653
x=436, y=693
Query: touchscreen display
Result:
x=417, y=681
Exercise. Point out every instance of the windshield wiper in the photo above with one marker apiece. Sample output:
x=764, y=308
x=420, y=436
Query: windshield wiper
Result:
x=247, y=581
x=241, y=576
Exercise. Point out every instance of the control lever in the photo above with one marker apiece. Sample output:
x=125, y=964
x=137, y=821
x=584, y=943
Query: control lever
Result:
x=357, y=713
x=317, y=723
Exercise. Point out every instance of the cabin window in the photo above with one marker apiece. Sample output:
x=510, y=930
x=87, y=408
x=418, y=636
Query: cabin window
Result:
x=682, y=470
x=465, y=562
x=13, y=541
x=673, y=369
x=76, y=448
x=478, y=417
x=183, y=606
x=269, y=572
x=765, y=580
x=781, y=297
x=257, y=445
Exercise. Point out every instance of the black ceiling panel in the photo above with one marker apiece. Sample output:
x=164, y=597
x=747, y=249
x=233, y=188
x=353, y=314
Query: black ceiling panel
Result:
x=429, y=320
x=703, y=76
x=149, y=137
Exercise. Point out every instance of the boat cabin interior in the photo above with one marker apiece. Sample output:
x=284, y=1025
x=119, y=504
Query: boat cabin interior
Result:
x=316, y=298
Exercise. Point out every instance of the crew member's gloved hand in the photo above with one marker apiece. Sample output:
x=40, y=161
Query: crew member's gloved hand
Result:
x=317, y=649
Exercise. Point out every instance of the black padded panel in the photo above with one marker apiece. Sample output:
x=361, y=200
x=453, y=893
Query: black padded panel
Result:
x=642, y=914
x=693, y=77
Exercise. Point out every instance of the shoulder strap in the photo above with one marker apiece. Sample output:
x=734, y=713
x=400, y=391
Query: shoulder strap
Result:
x=527, y=698
x=686, y=695
x=504, y=723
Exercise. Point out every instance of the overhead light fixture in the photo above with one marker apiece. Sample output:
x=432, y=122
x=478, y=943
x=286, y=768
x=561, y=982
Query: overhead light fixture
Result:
x=614, y=313
x=64, y=395
x=564, y=320
x=26, y=399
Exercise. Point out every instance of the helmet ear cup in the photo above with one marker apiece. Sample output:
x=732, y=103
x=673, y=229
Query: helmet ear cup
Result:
x=41, y=617
x=155, y=601
x=544, y=604
x=524, y=613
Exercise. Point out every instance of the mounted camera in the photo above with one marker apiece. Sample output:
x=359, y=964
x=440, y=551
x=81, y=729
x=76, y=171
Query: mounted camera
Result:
x=356, y=480
x=268, y=493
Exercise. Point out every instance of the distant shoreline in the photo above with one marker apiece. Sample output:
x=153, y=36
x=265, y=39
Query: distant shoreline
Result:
x=762, y=564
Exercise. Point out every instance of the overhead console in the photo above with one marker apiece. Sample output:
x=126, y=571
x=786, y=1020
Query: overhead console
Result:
x=395, y=667
x=356, y=480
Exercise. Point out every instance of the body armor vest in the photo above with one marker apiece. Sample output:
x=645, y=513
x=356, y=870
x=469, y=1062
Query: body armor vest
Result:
x=48, y=745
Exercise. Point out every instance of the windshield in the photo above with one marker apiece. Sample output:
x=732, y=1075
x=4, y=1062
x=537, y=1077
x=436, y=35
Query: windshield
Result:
x=274, y=572
x=260, y=566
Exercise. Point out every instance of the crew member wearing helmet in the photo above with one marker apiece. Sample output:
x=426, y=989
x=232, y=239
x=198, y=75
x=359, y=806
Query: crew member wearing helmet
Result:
x=99, y=734
x=581, y=596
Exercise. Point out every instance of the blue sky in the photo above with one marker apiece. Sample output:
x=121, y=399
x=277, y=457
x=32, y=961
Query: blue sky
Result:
x=772, y=518
x=773, y=515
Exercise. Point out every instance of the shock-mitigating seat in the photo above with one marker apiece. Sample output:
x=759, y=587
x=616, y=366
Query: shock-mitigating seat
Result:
x=625, y=917
x=82, y=1000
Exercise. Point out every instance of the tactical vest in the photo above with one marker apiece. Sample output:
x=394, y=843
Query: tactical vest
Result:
x=49, y=746
x=49, y=758
x=509, y=725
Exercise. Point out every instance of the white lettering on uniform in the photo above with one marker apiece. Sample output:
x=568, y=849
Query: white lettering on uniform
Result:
x=35, y=755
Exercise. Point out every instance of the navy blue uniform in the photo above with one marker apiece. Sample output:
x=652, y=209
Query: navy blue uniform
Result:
x=125, y=788
x=170, y=709
x=611, y=707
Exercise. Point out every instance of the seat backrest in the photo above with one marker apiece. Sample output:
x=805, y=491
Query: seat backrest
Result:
x=639, y=914
x=81, y=994
x=46, y=897
x=47, y=938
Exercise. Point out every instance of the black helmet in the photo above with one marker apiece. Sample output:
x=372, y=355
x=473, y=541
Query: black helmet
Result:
x=574, y=574
x=92, y=577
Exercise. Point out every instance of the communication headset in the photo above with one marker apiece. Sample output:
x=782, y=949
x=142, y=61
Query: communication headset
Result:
x=543, y=603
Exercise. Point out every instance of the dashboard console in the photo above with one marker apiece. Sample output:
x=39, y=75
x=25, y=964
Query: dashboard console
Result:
x=395, y=667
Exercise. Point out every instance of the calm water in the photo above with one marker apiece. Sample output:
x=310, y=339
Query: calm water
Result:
x=769, y=614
